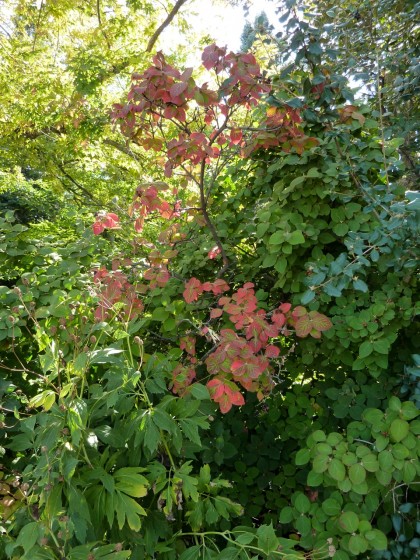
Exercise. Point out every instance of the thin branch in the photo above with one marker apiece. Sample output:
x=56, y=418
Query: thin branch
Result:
x=78, y=185
x=165, y=24
x=206, y=217
x=98, y=12
x=124, y=149
x=37, y=25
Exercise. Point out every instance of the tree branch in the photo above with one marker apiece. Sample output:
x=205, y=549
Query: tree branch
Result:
x=98, y=12
x=165, y=24
x=78, y=185
x=124, y=149
x=210, y=225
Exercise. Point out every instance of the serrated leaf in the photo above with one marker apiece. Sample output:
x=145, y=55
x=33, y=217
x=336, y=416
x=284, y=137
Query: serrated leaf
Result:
x=303, y=326
x=190, y=430
x=320, y=322
x=267, y=539
x=199, y=391
x=365, y=349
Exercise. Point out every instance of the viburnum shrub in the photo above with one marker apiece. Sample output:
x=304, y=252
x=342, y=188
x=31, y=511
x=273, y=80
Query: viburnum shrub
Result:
x=197, y=129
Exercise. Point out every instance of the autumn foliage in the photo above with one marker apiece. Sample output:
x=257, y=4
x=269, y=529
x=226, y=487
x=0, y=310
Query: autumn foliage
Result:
x=195, y=127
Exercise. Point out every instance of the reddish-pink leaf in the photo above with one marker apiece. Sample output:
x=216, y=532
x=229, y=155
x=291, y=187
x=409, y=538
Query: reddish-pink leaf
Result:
x=272, y=351
x=285, y=307
x=278, y=318
x=98, y=228
x=214, y=252
x=216, y=388
x=193, y=289
x=178, y=88
x=214, y=313
x=235, y=137
x=220, y=286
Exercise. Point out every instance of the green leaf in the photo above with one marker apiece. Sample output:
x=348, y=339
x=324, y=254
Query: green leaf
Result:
x=128, y=509
x=267, y=539
x=314, y=478
x=160, y=314
x=28, y=536
x=192, y=553
x=302, y=456
x=286, y=515
x=399, y=429
x=230, y=553
x=303, y=525
x=337, y=470
x=296, y=238
x=376, y=539
x=365, y=349
x=349, y=521
x=190, y=429
x=302, y=503
x=277, y=238
x=331, y=507
x=151, y=435
x=340, y=230
x=313, y=172
x=244, y=538
x=297, y=181
x=357, y=544
x=129, y=481
x=319, y=435
x=370, y=462
x=199, y=391
x=357, y=474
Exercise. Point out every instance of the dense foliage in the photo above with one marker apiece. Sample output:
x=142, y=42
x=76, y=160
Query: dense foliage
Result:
x=221, y=361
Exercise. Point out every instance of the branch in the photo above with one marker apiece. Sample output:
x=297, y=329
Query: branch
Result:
x=165, y=24
x=78, y=185
x=98, y=11
x=124, y=149
x=209, y=223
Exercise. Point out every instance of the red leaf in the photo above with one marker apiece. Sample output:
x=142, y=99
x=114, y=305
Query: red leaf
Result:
x=216, y=388
x=220, y=286
x=214, y=313
x=235, y=137
x=177, y=89
x=272, y=351
x=214, y=252
x=98, y=228
x=193, y=289
x=278, y=318
x=285, y=307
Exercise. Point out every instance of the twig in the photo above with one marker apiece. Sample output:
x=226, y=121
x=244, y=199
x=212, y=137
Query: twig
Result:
x=165, y=24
